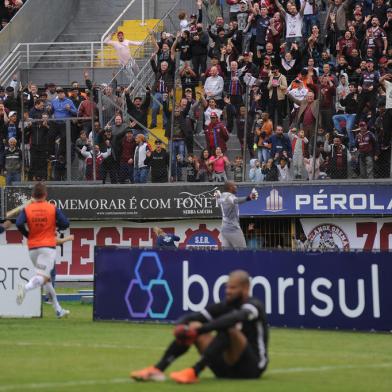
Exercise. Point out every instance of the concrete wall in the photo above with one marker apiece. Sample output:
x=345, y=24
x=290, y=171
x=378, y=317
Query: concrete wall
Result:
x=37, y=21
x=162, y=6
x=64, y=77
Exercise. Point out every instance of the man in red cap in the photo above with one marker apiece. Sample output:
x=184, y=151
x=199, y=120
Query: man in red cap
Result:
x=383, y=66
x=216, y=134
x=121, y=46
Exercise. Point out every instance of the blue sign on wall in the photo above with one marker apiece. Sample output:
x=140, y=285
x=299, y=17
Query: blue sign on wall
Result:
x=345, y=199
x=329, y=290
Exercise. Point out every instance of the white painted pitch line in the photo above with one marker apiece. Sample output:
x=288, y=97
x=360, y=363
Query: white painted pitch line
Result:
x=160, y=348
x=65, y=384
x=53, y=385
x=326, y=368
x=83, y=345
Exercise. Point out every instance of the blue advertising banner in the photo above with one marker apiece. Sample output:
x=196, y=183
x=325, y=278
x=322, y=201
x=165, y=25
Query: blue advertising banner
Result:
x=325, y=199
x=314, y=290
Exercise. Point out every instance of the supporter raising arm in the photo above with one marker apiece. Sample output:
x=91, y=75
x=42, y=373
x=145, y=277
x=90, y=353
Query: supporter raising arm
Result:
x=294, y=20
x=121, y=46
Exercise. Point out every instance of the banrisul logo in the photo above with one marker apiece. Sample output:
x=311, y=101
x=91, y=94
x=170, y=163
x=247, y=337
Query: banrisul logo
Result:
x=148, y=295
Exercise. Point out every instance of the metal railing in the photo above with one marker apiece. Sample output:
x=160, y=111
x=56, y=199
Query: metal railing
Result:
x=146, y=76
x=63, y=55
x=59, y=55
x=166, y=23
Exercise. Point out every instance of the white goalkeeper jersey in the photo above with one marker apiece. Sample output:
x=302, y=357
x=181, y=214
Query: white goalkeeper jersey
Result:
x=230, y=211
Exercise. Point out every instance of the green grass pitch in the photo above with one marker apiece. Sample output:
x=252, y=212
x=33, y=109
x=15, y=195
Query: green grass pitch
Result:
x=77, y=354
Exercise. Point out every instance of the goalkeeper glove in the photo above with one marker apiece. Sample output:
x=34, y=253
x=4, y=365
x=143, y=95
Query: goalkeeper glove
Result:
x=185, y=334
x=254, y=195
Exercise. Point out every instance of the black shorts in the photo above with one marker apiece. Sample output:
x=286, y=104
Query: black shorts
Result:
x=246, y=367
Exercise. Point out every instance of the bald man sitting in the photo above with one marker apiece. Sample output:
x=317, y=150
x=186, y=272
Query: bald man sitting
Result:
x=238, y=349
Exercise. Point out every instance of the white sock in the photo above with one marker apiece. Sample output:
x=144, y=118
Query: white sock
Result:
x=50, y=290
x=34, y=282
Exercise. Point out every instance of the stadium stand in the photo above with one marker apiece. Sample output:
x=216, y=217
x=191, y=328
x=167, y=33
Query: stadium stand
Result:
x=288, y=90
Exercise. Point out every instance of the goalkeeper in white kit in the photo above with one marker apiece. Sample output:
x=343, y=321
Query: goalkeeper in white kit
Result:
x=231, y=234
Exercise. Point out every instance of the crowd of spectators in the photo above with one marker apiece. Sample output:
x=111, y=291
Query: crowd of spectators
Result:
x=8, y=8
x=302, y=88
x=319, y=81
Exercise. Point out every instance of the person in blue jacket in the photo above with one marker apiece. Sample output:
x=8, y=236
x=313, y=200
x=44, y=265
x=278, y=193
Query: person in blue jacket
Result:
x=164, y=240
x=280, y=144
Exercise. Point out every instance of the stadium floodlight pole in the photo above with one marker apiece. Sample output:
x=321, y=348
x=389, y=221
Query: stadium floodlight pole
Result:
x=245, y=132
x=315, y=133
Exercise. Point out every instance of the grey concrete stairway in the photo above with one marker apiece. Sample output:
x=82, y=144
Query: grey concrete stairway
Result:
x=93, y=17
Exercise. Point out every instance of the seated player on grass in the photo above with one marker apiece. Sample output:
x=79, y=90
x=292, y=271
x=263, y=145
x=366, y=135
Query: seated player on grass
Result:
x=237, y=350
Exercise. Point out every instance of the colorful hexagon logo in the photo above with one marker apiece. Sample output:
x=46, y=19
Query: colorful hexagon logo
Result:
x=148, y=295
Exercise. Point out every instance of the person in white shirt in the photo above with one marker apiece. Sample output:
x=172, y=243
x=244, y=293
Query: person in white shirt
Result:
x=123, y=53
x=310, y=17
x=141, y=170
x=386, y=83
x=210, y=106
x=213, y=86
x=184, y=24
x=299, y=147
x=294, y=20
x=283, y=169
x=341, y=92
x=298, y=92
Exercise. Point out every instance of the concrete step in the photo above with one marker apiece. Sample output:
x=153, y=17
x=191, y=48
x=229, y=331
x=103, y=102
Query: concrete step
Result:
x=93, y=17
x=82, y=37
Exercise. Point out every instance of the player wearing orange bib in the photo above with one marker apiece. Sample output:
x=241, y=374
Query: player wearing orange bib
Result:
x=38, y=222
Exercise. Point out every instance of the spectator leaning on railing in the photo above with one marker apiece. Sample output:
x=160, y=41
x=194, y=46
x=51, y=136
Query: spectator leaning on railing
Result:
x=13, y=162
